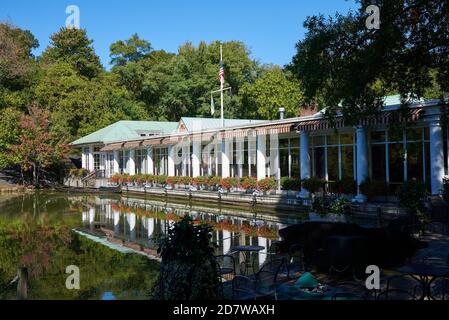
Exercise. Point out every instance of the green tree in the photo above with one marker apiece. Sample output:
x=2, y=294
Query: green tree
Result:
x=273, y=90
x=133, y=49
x=9, y=135
x=74, y=47
x=343, y=63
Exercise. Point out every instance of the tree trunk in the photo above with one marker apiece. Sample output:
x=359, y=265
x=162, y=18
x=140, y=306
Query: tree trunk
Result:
x=22, y=284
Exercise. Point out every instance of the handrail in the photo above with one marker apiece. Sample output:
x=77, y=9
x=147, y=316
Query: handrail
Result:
x=89, y=176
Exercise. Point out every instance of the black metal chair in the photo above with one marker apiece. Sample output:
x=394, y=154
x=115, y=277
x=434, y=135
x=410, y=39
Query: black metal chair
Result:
x=295, y=260
x=262, y=285
x=227, y=271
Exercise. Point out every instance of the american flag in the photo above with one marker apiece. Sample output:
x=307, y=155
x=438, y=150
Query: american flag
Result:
x=221, y=73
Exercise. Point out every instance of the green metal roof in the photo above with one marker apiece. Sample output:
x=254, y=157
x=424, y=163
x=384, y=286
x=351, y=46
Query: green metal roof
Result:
x=127, y=130
x=196, y=124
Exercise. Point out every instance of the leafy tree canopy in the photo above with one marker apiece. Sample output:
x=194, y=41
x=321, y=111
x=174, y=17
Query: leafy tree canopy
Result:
x=132, y=49
x=342, y=62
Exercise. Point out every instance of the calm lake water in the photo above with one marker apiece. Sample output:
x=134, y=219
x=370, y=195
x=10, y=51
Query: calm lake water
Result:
x=109, y=238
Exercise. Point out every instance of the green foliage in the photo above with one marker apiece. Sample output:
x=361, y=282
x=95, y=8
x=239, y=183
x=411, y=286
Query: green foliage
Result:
x=72, y=46
x=411, y=196
x=345, y=186
x=325, y=205
x=213, y=181
x=267, y=184
x=344, y=65
x=273, y=90
x=313, y=184
x=133, y=49
x=372, y=189
x=290, y=184
x=189, y=270
x=248, y=183
x=9, y=136
x=229, y=183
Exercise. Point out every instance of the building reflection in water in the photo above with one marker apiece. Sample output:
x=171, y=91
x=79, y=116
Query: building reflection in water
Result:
x=143, y=224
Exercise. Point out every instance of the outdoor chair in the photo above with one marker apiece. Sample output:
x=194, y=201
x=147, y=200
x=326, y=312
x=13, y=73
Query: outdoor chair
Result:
x=295, y=260
x=399, y=287
x=227, y=271
x=262, y=285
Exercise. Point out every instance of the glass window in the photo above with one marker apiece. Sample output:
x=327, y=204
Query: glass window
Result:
x=319, y=162
x=319, y=141
x=396, y=162
x=332, y=163
x=415, y=161
x=332, y=139
x=295, y=170
x=395, y=135
x=377, y=136
x=378, y=161
x=414, y=134
x=347, y=161
x=347, y=138
x=283, y=162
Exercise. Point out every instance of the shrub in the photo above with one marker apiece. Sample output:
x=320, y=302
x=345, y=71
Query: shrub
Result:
x=162, y=179
x=411, y=196
x=266, y=184
x=290, y=184
x=139, y=179
x=130, y=179
x=189, y=270
x=321, y=205
x=200, y=181
x=445, y=189
x=372, y=188
x=339, y=206
x=213, y=181
x=172, y=181
x=185, y=180
x=345, y=186
x=249, y=183
x=313, y=184
x=229, y=183
x=115, y=178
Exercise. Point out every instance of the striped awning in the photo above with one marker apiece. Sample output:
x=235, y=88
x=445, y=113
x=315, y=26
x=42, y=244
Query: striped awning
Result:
x=132, y=144
x=151, y=142
x=170, y=140
x=112, y=147
x=384, y=118
x=274, y=129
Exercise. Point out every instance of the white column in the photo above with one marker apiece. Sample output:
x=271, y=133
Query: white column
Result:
x=116, y=161
x=150, y=227
x=132, y=225
x=304, y=155
x=185, y=158
x=150, y=162
x=91, y=158
x=362, y=161
x=225, y=157
x=132, y=163
x=275, y=170
x=263, y=242
x=171, y=160
x=91, y=215
x=226, y=241
x=83, y=159
x=196, y=156
x=436, y=153
x=261, y=157
x=240, y=155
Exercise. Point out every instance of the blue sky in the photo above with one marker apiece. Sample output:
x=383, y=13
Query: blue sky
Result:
x=270, y=28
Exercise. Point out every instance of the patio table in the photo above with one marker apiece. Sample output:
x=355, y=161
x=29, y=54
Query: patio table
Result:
x=425, y=275
x=247, y=250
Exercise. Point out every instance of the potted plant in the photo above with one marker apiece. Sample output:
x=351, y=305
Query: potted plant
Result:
x=372, y=189
x=266, y=185
x=213, y=182
x=249, y=183
x=313, y=185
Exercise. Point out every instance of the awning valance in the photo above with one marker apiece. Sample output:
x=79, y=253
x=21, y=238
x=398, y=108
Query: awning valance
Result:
x=152, y=142
x=274, y=129
x=132, y=144
x=170, y=140
x=112, y=147
x=384, y=118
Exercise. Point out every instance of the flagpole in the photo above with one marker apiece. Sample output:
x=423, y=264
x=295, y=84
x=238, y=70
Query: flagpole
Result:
x=221, y=89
